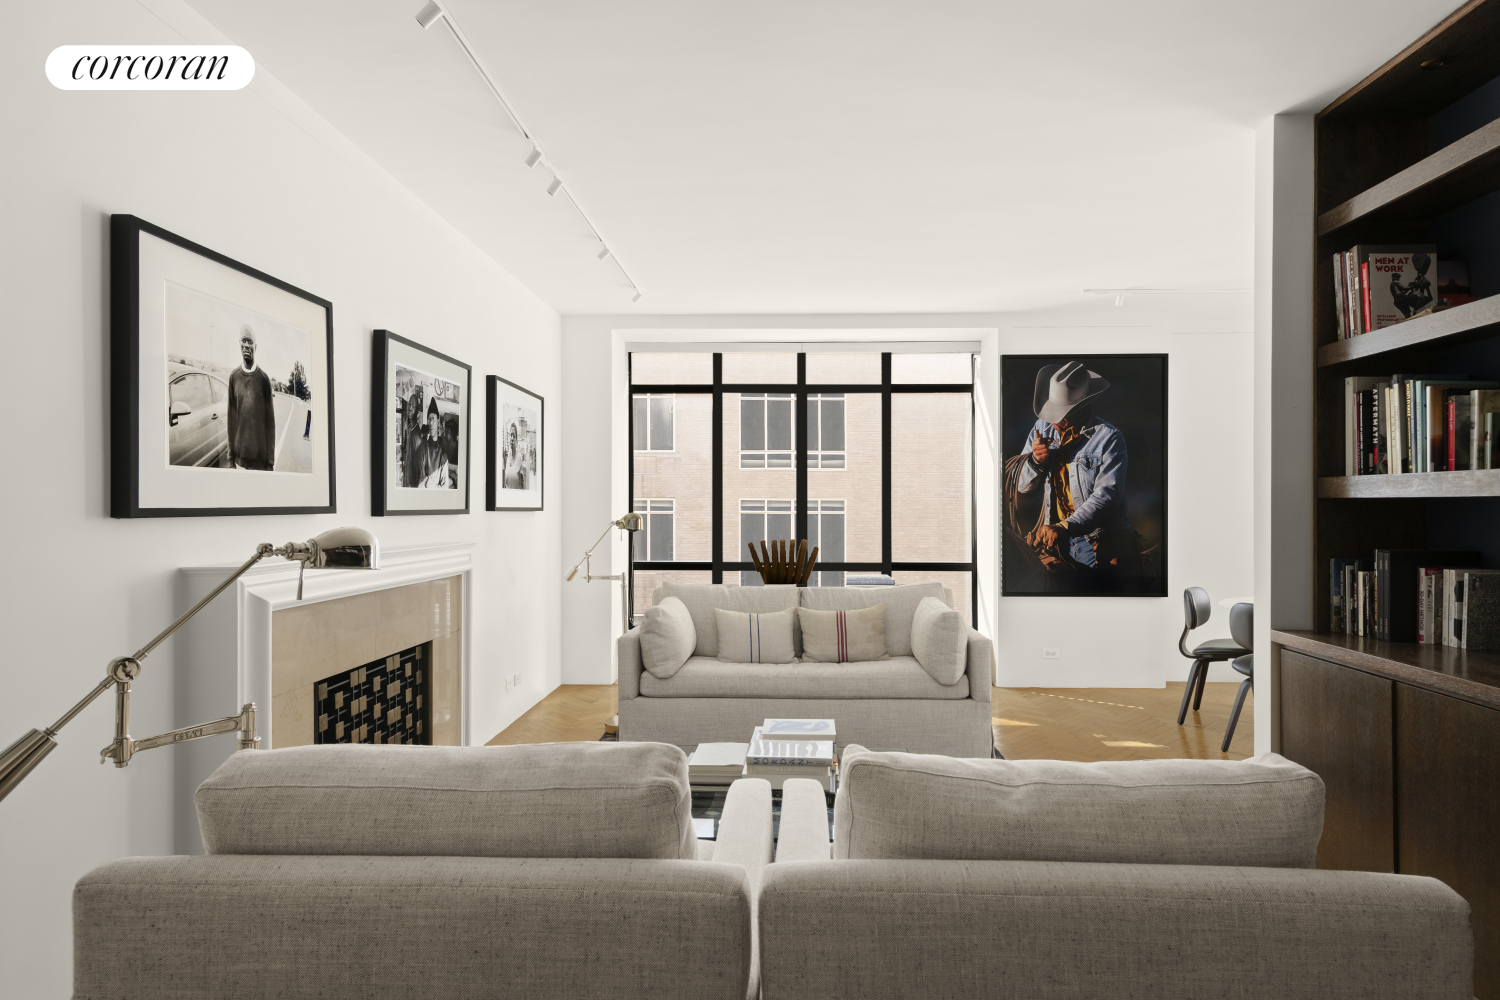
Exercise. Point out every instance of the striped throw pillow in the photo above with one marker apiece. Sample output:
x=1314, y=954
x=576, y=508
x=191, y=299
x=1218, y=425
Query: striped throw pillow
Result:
x=756, y=638
x=843, y=636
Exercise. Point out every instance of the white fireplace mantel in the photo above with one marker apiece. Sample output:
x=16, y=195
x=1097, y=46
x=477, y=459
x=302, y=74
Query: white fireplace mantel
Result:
x=223, y=656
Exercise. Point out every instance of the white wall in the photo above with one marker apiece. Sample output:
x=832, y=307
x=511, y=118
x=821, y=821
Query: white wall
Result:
x=1114, y=642
x=1283, y=396
x=255, y=175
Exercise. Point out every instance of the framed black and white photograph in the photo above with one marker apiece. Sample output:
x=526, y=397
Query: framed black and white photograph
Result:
x=1085, y=484
x=221, y=383
x=421, y=429
x=514, y=445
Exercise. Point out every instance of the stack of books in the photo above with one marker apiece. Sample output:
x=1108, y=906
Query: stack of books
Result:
x=792, y=748
x=1419, y=423
x=717, y=763
x=1418, y=595
x=1379, y=286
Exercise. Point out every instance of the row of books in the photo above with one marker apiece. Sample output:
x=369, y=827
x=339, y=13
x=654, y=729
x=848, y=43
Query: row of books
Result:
x=1419, y=423
x=1418, y=595
x=1379, y=286
x=777, y=756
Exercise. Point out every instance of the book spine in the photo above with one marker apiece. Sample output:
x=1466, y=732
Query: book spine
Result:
x=1348, y=599
x=1411, y=458
x=1349, y=418
x=1351, y=284
x=1338, y=296
x=1451, y=459
x=1382, y=595
x=1364, y=292
x=1489, y=440
x=1377, y=442
x=1423, y=594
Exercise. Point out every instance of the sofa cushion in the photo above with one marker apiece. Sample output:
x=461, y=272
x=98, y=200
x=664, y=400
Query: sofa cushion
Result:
x=940, y=640
x=1266, y=812
x=667, y=637
x=898, y=677
x=745, y=637
x=702, y=598
x=549, y=800
x=900, y=606
x=843, y=636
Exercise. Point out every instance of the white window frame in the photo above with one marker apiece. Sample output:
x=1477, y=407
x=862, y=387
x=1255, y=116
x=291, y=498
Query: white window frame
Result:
x=764, y=454
x=671, y=398
x=818, y=458
x=816, y=509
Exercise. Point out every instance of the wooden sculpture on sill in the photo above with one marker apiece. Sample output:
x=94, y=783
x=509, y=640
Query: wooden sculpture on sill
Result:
x=780, y=564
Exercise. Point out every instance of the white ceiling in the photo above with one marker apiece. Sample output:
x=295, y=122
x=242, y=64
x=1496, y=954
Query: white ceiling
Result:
x=821, y=157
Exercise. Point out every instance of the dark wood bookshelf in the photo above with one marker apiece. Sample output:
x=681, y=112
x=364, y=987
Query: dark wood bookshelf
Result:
x=1406, y=736
x=1470, y=321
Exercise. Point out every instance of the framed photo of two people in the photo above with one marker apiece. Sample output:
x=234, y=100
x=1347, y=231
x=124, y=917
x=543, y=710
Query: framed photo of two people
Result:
x=1085, y=481
x=221, y=387
x=420, y=437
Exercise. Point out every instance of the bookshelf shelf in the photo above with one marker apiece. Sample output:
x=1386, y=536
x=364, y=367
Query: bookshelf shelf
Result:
x=1468, y=483
x=1455, y=174
x=1469, y=675
x=1470, y=321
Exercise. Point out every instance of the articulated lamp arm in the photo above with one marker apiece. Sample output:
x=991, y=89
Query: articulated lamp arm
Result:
x=630, y=522
x=342, y=548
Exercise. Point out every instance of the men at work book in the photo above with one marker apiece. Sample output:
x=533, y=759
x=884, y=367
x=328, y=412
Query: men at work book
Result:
x=1397, y=282
x=1398, y=599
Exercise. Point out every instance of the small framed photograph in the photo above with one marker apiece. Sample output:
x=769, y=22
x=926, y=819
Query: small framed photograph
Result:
x=421, y=429
x=221, y=383
x=514, y=445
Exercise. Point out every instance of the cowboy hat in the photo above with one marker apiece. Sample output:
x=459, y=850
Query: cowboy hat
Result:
x=1059, y=388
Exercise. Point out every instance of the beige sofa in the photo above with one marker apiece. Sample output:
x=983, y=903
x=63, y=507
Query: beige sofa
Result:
x=1049, y=879
x=892, y=703
x=550, y=871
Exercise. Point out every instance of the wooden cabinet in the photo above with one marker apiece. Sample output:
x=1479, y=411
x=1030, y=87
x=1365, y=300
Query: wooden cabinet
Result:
x=1407, y=741
x=1337, y=723
x=1448, y=809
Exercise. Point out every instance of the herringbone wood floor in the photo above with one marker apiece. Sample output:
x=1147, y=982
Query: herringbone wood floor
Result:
x=1030, y=723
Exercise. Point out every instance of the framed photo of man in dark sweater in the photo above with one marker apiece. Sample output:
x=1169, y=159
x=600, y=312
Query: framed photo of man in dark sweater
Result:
x=222, y=383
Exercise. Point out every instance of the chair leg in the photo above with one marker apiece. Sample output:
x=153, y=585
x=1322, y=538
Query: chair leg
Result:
x=1202, y=680
x=1234, y=717
x=1187, y=692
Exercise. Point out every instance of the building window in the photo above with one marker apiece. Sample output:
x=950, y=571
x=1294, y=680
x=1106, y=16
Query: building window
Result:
x=825, y=530
x=825, y=431
x=762, y=521
x=654, y=542
x=766, y=434
x=653, y=422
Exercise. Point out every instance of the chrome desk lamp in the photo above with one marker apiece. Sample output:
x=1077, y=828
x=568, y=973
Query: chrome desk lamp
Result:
x=630, y=522
x=341, y=548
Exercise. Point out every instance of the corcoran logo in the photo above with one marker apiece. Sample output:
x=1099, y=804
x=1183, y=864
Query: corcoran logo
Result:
x=150, y=67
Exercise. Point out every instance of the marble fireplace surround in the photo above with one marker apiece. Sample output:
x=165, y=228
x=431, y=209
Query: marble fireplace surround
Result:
x=256, y=642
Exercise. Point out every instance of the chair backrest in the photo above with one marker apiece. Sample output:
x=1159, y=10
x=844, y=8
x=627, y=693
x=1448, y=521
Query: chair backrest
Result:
x=1196, y=610
x=1242, y=624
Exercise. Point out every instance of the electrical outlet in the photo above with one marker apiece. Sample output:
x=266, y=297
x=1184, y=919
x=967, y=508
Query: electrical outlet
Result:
x=510, y=682
x=1050, y=654
x=515, y=680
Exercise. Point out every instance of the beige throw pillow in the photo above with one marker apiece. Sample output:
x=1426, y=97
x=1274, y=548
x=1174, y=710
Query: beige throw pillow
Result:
x=667, y=638
x=940, y=641
x=843, y=636
x=755, y=638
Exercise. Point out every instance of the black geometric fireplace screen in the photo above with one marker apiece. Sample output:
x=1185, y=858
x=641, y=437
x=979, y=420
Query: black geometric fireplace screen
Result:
x=386, y=701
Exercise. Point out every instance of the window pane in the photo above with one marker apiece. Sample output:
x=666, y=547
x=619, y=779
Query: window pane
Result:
x=960, y=583
x=779, y=423
x=930, y=477
x=663, y=369
x=661, y=423
x=851, y=477
x=763, y=369
x=661, y=537
x=843, y=368
x=833, y=425
x=639, y=424
x=685, y=475
x=747, y=478
x=647, y=580
x=932, y=369
x=752, y=423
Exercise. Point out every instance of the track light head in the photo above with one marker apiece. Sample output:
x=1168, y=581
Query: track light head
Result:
x=534, y=157
x=637, y=296
x=430, y=13
x=555, y=186
x=604, y=253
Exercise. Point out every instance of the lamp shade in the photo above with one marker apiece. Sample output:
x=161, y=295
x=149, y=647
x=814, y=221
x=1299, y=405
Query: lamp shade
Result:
x=345, y=548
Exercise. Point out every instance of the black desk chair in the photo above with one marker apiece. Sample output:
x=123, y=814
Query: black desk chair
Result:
x=1242, y=628
x=1197, y=609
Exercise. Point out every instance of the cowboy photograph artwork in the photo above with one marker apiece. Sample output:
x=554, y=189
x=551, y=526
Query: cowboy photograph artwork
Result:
x=1085, y=475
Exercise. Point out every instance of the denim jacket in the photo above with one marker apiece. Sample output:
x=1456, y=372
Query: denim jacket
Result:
x=1096, y=477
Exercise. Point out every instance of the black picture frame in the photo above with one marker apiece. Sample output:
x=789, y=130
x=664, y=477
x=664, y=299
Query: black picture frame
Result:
x=388, y=498
x=497, y=497
x=1140, y=414
x=137, y=491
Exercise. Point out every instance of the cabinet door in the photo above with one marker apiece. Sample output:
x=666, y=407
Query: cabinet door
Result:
x=1336, y=722
x=1448, y=810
